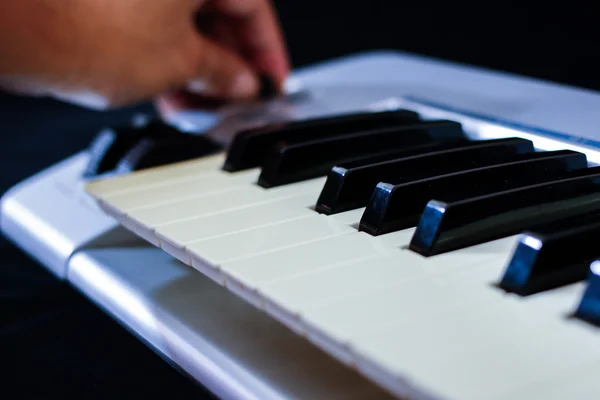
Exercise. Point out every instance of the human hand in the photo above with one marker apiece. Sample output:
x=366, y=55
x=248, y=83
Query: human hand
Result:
x=110, y=53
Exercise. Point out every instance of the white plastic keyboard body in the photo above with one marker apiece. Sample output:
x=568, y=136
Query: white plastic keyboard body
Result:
x=435, y=329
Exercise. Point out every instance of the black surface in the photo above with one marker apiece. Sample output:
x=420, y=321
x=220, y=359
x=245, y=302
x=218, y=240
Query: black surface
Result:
x=136, y=146
x=54, y=342
x=167, y=146
x=395, y=207
x=249, y=148
x=447, y=225
x=294, y=162
x=553, y=255
x=545, y=40
x=108, y=148
x=350, y=185
x=268, y=88
x=588, y=308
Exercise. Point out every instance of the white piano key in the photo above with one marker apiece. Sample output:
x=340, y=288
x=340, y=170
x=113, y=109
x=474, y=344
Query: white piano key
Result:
x=579, y=383
x=154, y=177
x=274, y=266
x=206, y=204
x=349, y=280
x=219, y=250
x=191, y=230
x=489, y=348
x=208, y=183
x=351, y=217
x=406, y=286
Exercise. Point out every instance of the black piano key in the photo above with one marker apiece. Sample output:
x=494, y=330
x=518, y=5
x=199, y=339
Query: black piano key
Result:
x=249, y=148
x=447, y=225
x=589, y=305
x=151, y=152
x=396, y=207
x=553, y=255
x=328, y=202
x=135, y=147
x=288, y=163
x=108, y=147
x=349, y=185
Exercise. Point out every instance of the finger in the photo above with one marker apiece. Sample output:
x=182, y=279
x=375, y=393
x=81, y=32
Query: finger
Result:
x=173, y=102
x=258, y=33
x=219, y=72
x=218, y=29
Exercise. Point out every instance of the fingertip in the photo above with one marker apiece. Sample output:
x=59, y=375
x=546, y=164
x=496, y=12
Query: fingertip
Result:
x=274, y=65
x=167, y=104
x=244, y=85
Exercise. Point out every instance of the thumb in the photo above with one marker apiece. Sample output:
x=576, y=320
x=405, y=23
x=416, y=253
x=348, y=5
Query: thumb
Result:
x=219, y=72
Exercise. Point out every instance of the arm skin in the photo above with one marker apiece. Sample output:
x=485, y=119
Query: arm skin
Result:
x=122, y=52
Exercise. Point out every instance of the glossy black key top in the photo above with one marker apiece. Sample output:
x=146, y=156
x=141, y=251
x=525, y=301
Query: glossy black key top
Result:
x=349, y=185
x=290, y=163
x=135, y=147
x=589, y=305
x=553, y=255
x=151, y=152
x=249, y=148
x=396, y=207
x=108, y=147
x=448, y=225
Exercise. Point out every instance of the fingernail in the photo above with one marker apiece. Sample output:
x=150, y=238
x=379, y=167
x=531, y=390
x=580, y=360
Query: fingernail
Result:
x=245, y=84
x=198, y=87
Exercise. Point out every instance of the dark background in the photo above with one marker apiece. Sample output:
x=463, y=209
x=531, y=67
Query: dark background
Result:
x=53, y=341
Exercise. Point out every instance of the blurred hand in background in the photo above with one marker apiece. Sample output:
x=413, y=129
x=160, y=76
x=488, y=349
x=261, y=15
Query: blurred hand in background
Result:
x=112, y=53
